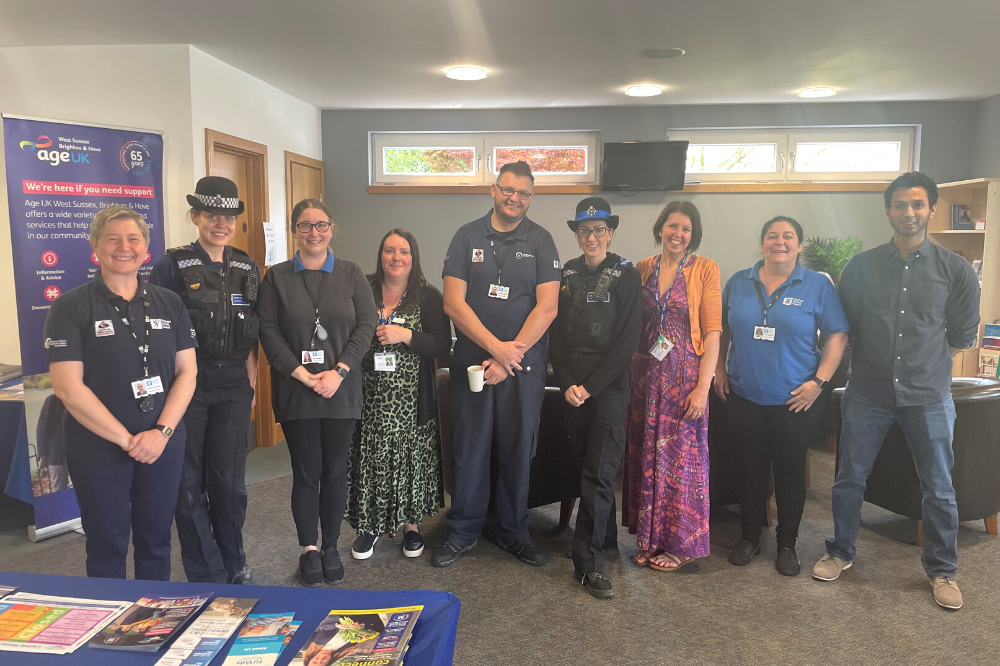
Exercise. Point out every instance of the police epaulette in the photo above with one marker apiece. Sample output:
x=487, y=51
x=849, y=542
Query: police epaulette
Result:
x=625, y=262
x=568, y=272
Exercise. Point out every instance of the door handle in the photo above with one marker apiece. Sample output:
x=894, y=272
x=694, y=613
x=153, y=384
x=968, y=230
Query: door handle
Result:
x=244, y=227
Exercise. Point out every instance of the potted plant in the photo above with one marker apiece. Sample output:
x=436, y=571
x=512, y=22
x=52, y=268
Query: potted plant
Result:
x=829, y=255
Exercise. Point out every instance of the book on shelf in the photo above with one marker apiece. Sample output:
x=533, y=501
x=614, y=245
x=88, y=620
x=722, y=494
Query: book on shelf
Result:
x=149, y=624
x=961, y=217
x=359, y=637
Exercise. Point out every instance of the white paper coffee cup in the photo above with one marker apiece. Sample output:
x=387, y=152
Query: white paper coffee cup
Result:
x=476, y=376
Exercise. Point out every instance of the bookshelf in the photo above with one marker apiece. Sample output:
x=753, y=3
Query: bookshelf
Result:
x=983, y=194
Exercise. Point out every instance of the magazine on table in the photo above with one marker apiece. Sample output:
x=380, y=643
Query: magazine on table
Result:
x=358, y=637
x=52, y=625
x=149, y=624
x=6, y=589
x=262, y=639
x=204, y=638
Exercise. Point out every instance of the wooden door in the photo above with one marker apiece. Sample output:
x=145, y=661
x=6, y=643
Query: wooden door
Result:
x=304, y=179
x=245, y=163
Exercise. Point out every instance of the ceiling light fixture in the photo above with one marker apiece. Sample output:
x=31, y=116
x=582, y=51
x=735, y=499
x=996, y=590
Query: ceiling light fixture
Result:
x=643, y=90
x=663, y=54
x=466, y=73
x=811, y=93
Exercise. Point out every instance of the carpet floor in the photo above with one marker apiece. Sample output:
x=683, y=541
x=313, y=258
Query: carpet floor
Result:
x=879, y=612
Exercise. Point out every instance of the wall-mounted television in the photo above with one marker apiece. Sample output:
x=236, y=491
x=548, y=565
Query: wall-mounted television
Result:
x=635, y=166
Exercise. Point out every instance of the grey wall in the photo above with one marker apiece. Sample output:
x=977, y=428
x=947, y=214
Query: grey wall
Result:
x=732, y=221
x=986, y=140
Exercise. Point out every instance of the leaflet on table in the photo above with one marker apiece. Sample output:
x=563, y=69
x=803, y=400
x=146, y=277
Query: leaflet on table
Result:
x=150, y=623
x=203, y=639
x=358, y=637
x=52, y=625
x=5, y=590
x=261, y=640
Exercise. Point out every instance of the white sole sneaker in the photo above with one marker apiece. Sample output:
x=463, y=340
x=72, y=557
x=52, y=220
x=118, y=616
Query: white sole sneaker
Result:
x=413, y=553
x=366, y=554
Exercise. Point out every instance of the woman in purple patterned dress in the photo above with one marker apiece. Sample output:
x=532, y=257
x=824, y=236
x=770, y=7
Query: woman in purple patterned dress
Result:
x=665, y=493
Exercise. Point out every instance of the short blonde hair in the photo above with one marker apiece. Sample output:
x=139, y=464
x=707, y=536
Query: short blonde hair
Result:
x=110, y=213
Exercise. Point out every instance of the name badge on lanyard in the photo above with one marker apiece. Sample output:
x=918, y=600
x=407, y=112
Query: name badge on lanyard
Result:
x=147, y=386
x=499, y=291
x=385, y=362
x=765, y=332
x=317, y=356
x=663, y=344
x=661, y=348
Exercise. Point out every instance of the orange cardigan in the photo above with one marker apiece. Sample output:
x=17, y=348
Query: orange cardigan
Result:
x=704, y=294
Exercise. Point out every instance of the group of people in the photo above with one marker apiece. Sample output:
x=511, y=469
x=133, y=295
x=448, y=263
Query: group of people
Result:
x=635, y=349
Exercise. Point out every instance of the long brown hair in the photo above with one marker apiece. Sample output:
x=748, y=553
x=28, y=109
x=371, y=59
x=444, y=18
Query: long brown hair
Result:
x=416, y=282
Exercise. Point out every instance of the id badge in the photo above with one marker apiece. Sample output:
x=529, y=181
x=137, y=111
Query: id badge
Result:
x=147, y=386
x=317, y=356
x=385, y=362
x=763, y=333
x=503, y=292
x=661, y=348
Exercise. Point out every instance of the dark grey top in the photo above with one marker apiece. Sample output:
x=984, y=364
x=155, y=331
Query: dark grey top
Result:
x=532, y=260
x=904, y=316
x=347, y=312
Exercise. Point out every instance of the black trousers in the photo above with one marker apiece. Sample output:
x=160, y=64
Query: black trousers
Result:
x=318, y=449
x=212, y=502
x=117, y=495
x=507, y=414
x=771, y=436
x=598, y=430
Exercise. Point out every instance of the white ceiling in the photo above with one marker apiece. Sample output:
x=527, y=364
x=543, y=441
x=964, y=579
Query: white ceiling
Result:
x=539, y=53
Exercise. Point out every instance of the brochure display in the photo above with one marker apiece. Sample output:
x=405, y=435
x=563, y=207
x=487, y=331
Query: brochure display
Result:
x=357, y=637
x=52, y=625
x=204, y=638
x=149, y=624
x=262, y=639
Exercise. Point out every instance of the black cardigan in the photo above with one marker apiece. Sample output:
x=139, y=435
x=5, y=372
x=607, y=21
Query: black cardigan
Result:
x=431, y=343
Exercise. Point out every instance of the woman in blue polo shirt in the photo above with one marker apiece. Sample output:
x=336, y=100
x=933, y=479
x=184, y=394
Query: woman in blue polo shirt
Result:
x=770, y=315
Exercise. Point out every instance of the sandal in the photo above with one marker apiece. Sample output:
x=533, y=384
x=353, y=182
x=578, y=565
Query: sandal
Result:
x=680, y=562
x=642, y=558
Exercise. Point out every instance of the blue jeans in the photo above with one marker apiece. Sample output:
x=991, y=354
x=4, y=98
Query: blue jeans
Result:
x=928, y=430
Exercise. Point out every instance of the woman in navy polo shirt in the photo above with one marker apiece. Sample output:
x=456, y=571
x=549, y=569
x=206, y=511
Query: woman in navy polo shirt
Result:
x=121, y=359
x=770, y=315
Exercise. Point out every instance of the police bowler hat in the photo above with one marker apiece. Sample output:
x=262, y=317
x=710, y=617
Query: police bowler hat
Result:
x=215, y=194
x=593, y=208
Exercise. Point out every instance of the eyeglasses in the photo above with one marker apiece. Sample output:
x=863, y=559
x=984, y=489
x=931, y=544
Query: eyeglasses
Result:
x=307, y=227
x=584, y=234
x=523, y=195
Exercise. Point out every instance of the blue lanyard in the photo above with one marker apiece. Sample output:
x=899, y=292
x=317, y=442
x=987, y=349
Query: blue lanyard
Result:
x=662, y=305
x=381, y=312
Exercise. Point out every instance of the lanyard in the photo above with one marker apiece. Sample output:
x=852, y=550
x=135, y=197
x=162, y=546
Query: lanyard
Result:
x=318, y=330
x=760, y=297
x=143, y=348
x=500, y=262
x=381, y=312
x=662, y=305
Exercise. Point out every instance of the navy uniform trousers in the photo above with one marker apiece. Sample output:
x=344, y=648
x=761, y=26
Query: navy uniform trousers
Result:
x=506, y=414
x=212, y=501
x=116, y=494
x=597, y=428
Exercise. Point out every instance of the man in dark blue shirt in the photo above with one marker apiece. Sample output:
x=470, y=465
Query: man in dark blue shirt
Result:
x=501, y=288
x=911, y=305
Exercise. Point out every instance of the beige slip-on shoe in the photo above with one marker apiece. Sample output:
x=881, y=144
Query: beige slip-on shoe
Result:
x=829, y=568
x=946, y=592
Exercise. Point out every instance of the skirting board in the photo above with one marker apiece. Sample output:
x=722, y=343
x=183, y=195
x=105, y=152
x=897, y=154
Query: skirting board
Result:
x=54, y=530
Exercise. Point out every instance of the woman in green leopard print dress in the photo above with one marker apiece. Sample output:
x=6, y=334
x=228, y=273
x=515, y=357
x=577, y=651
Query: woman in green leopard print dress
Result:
x=394, y=467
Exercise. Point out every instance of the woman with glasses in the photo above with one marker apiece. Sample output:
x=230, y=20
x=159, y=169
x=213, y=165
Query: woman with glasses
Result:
x=593, y=339
x=317, y=318
x=665, y=491
x=395, y=464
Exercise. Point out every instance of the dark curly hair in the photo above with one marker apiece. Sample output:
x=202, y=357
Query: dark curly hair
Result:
x=913, y=179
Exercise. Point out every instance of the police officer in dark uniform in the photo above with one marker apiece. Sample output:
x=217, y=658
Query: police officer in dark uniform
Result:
x=593, y=339
x=218, y=284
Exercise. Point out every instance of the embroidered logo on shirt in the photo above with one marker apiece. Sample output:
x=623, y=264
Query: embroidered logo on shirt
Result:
x=193, y=334
x=103, y=328
x=159, y=324
x=477, y=256
x=524, y=255
x=788, y=300
x=49, y=342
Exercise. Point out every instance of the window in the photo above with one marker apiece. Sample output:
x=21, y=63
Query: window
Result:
x=432, y=158
x=856, y=154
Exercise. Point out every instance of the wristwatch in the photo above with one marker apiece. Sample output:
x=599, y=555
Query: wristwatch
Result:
x=821, y=382
x=342, y=371
x=166, y=430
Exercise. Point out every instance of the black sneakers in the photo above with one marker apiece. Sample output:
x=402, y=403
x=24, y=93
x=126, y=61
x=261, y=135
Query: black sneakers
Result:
x=413, y=544
x=448, y=553
x=597, y=584
x=743, y=552
x=243, y=577
x=364, y=546
x=333, y=568
x=310, y=569
x=525, y=550
x=787, y=562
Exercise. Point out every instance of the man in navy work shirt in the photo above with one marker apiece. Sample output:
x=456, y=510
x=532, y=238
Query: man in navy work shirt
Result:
x=501, y=288
x=911, y=305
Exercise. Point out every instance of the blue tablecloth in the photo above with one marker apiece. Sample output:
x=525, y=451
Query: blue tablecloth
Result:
x=432, y=643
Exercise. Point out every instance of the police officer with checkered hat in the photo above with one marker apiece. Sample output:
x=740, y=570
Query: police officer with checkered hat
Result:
x=218, y=284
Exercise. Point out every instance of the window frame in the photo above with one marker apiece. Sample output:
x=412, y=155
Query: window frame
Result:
x=589, y=140
x=702, y=137
x=905, y=137
x=441, y=140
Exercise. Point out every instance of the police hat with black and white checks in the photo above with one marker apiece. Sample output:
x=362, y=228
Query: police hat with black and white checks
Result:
x=216, y=194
